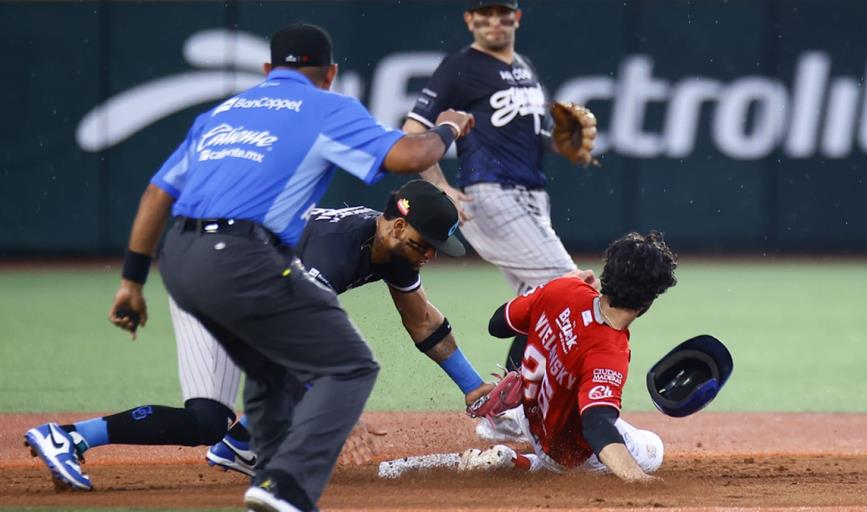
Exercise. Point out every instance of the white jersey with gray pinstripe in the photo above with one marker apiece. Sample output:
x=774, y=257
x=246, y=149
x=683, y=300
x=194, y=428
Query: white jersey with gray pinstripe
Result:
x=204, y=367
x=511, y=228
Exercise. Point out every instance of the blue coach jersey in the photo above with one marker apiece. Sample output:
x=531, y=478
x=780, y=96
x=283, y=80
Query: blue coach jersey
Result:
x=336, y=249
x=269, y=153
x=508, y=102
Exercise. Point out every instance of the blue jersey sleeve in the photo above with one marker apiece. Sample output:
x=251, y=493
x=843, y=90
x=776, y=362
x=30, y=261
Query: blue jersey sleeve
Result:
x=354, y=141
x=172, y=176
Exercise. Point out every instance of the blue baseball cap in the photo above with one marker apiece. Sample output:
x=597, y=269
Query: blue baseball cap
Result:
x=689, y=377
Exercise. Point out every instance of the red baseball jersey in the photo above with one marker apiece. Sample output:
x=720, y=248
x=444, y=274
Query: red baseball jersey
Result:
x=573, y=361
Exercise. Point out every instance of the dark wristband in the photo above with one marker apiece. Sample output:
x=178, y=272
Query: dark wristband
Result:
x=437, y=336
x=136, y=267
x=446, y=134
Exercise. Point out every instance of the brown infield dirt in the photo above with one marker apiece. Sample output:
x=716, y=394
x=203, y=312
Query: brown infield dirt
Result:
x=712, y=461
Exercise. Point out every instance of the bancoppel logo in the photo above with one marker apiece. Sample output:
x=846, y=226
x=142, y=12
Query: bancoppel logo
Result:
x=514, y=101
x=226, y=105
x=266, y=103
x=224, y=135
x=600, y=393
x=607, y=375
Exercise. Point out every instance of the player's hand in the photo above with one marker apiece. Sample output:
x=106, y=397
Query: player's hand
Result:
x=479, y=392
x=464, y=120
x=644, y=479
x=129, y=309
x=457, y=197
x=588, y=276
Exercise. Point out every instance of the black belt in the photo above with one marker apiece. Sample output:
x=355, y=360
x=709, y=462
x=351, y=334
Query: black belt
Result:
x=245, y=228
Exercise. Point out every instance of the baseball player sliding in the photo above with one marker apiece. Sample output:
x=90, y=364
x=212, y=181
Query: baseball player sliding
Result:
x=573, y=370
x=341, y=249
x=501, y=183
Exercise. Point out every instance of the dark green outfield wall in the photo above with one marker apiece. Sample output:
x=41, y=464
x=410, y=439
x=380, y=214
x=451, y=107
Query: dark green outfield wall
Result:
x=732, y=125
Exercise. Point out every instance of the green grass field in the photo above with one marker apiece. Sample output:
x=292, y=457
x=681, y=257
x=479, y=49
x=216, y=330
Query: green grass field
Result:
x=797, y=331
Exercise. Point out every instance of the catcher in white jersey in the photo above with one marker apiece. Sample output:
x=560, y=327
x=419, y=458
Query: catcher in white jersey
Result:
x=501, y=185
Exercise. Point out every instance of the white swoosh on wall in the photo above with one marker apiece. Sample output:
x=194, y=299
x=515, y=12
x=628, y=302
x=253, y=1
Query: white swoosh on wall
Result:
x=128, y=112
x=220, y=48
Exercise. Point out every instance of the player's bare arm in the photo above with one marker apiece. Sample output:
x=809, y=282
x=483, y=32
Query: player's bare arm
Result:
x=150, y=220
x=434, y=173
x=418, y=151
x=421, y=319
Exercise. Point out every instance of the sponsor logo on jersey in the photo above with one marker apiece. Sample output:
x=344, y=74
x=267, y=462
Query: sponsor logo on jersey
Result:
x=225, y=135
x=514, y=101
x=600, y=393
x=568, y=338
x=587, y=317
x=516, y=74
x=266, y=103
x=245, y=154
x=608, y=375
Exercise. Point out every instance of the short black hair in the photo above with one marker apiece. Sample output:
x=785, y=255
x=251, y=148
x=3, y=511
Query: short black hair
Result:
x=638, y=269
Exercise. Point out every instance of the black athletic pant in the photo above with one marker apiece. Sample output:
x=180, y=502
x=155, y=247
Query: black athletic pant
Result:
x=281, y=328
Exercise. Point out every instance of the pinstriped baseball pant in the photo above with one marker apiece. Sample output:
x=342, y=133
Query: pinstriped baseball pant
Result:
x=511, y=228
x=204, y=367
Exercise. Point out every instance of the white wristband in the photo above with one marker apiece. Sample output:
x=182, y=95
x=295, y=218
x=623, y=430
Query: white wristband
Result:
x=452, y=124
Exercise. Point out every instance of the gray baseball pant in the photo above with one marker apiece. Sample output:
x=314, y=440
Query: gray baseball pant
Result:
x=281, y=328
x=511, y=228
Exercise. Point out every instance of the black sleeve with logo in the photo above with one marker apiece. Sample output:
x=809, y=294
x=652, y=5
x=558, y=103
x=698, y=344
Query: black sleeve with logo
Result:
x=440, y=91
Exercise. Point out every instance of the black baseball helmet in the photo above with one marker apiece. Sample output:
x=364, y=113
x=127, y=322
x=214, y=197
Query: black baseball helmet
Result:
x=472, y=5
x=690, y=376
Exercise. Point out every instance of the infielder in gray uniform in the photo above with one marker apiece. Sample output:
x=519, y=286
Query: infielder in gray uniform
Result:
x=501, y=186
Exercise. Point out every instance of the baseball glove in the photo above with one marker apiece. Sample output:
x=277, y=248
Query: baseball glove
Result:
x=574, y=132
x=505, y=395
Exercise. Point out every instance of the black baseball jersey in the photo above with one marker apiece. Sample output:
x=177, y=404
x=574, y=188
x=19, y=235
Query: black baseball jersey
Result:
x=508, y=102
x=335, y=248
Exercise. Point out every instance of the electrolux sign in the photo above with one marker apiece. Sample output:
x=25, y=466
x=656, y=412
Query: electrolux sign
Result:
x=810, y=114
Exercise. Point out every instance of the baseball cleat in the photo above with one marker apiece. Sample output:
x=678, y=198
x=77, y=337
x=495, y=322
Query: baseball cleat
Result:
x=57, y=449
x=265, y=494
x=231, y=454
x=503, y=428
x=497, y=456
